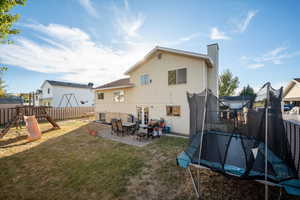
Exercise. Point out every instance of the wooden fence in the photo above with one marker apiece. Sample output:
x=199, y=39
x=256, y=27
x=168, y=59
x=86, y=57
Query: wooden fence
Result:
x=292, y=130
x=7, y=114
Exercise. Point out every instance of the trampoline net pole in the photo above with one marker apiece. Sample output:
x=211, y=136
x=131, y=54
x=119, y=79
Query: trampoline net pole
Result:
x=266, y=144
x=201, y=138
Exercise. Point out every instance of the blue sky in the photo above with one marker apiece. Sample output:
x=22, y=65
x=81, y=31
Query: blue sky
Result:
x=96, y=40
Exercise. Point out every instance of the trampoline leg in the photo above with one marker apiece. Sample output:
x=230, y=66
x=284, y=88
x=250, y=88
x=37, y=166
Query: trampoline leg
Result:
x=280, y=193
x=194, y=184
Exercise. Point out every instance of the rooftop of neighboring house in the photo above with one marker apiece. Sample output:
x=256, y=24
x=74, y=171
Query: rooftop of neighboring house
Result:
x=297, y=79
x=69, y=84
x=121, y=83
x=11, y=100
x=290, y=85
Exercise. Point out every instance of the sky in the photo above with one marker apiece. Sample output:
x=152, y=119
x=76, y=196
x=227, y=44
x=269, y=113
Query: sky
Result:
x=98, y=40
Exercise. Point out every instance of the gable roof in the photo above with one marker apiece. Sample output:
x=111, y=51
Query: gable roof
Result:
x=68, y=84
x=11, y=100
x=290, y=86
x=208, y=60
x=121, y=83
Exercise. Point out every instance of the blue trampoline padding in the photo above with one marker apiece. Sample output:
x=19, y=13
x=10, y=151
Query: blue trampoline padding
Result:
x=183, y=160
x=292, y=186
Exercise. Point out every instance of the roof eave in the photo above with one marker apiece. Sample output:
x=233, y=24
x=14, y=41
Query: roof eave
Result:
x=116, y=87
x=208, y=60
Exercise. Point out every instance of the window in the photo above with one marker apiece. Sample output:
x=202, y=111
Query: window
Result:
x=173, y=111
x=145, y=79
x=119, y=96
x=102, y=117
x=48, y=90
x=177, y=76
x=100, y=96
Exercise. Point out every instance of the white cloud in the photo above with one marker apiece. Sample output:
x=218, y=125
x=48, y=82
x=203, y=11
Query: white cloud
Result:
x=182, y=39
x=243, y=23
x=130, y=25
x=216, y=34
x=88, y=6
x=71, y=53
x=276, y=56
x=256, y=65
x=127, y=22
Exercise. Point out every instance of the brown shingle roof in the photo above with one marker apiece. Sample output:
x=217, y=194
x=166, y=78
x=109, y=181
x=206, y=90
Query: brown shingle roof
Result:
x=297, y=79
x=118, y=83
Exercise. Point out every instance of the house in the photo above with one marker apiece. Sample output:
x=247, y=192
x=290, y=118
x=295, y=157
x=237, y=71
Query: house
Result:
x=157, y=87
x=291, y=93
x=10, y=102
x=65, y=94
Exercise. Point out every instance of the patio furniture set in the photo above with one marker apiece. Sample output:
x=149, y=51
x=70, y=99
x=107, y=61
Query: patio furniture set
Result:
x=152, y=130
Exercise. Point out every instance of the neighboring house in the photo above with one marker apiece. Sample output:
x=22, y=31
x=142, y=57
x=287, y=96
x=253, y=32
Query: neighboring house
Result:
x=157, y=87
x=235, y=102
x=291, y=93
x=10, y=102
x=64, y=94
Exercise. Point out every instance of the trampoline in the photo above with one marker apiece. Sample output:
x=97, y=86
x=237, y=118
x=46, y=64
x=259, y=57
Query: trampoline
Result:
x=261, y=151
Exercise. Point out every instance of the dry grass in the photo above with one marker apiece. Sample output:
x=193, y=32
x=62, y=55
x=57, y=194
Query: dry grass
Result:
x=71, y=164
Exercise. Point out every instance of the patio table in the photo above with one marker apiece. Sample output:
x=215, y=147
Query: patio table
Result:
x=128, y=126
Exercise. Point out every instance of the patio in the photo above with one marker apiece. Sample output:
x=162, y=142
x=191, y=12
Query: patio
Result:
x=105, y=132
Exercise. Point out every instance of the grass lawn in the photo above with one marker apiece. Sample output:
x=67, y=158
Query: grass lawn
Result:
x=71, y=164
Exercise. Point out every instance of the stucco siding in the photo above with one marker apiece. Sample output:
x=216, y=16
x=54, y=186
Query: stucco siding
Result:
x=294, y=93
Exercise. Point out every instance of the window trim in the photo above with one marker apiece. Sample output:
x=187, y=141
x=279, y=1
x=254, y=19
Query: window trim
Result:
x=98, y=95
x=171, y=113
x=177, y=75
x=144, y=81
x=114, y=97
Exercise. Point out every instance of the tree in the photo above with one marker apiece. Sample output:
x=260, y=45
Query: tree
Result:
x=247, y=91
x=7, y=19
x=2, y=83
x=227, y=83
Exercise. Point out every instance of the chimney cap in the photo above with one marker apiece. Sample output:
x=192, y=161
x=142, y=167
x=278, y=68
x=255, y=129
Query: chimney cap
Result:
x=214, y=44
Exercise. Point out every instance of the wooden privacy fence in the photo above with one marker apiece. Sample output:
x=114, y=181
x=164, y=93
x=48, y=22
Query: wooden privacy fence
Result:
x=292, y=129
x=7, y=114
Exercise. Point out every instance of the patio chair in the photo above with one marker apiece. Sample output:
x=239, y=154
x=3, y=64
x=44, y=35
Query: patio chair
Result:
x=135, y=128
x=114, y=127
x=120, y=127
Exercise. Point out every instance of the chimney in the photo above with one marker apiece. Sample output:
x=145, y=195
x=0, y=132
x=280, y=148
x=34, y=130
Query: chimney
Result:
x=213, y=73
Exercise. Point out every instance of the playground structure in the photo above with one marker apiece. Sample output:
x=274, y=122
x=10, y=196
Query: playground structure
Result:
x=38, y=111
x=68, y=98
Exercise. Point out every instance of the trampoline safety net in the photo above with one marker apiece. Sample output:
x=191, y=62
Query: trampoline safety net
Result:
x=242, y=151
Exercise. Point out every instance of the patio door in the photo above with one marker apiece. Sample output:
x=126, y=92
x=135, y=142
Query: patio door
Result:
x=143, y=114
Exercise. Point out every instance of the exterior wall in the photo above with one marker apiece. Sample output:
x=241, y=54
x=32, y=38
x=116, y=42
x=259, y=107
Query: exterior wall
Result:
x=81, y=94
x=158, y=94
x=56, y=93
x=293, y=94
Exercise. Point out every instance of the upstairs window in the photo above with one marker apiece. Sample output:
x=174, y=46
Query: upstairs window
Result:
x=173, y=111
x=100, y=96
x=119, y=96
x=48, y=90
x=144, y=79
x=177, y=76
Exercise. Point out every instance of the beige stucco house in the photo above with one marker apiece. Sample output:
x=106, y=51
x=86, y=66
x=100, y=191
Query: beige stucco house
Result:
x=157, y=86
x=291, y=93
